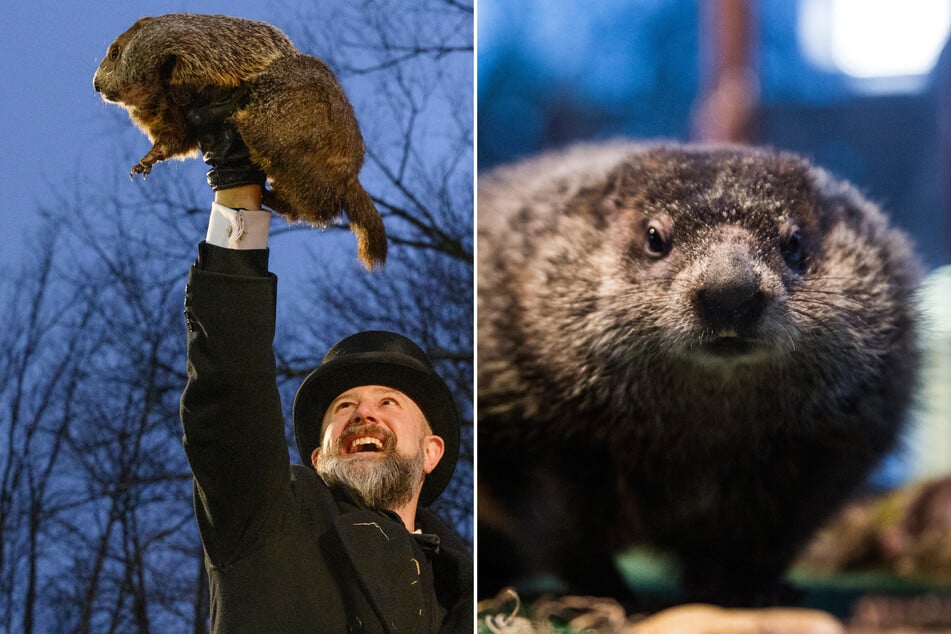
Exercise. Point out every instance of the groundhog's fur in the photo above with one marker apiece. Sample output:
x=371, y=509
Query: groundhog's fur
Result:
x=298, y=124
x=704, y=349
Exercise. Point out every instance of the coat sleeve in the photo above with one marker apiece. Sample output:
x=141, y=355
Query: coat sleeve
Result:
x=231, y=409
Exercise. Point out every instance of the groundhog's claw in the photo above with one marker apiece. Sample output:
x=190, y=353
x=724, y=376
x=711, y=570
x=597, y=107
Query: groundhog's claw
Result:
x=142, y=167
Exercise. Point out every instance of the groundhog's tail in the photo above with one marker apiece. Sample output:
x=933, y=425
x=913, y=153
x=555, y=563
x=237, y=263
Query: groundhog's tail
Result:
x=367, y=224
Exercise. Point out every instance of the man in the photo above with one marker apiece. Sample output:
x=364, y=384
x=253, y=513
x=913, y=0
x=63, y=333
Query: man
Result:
x=346, y=544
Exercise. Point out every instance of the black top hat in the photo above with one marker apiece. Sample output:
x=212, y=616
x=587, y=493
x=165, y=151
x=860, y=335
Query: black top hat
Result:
x=377, y=357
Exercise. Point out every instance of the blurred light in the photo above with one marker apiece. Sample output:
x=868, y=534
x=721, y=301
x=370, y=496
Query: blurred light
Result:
x=870, y=39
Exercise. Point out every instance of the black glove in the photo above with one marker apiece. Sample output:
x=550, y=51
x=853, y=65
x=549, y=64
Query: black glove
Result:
x=207, y=116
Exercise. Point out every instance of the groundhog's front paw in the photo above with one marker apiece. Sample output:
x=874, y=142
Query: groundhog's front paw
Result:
x=142, y=167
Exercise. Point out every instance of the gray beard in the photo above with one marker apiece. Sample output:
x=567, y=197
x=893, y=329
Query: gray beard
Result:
x=379, y=484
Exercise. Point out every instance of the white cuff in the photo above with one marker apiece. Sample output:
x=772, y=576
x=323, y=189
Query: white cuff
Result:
x=238, y=228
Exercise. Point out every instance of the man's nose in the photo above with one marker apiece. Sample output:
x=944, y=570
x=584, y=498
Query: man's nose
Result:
x=364, y=411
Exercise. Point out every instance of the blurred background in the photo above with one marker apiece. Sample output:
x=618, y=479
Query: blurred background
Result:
x=861, y=87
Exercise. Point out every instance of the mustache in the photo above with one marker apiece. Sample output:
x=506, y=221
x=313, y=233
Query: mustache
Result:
x=351, y=433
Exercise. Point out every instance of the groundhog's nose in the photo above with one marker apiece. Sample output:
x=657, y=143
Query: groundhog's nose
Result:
x=95, y=84
x=730, y=298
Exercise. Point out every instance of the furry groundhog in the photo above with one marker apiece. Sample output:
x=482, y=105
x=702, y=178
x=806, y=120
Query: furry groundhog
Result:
x=703, y=349
x=298, y=124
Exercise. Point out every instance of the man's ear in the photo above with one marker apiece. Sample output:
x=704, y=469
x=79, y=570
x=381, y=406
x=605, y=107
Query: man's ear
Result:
x=433, y=449
x=313, y=456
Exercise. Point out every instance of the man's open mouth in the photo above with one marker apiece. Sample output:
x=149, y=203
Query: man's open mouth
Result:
x=365, y=444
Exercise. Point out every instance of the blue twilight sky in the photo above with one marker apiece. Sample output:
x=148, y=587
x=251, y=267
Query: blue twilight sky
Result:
x=57, y=132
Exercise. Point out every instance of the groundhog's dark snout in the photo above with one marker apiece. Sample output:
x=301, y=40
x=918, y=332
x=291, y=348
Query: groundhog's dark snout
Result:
x=730, y=297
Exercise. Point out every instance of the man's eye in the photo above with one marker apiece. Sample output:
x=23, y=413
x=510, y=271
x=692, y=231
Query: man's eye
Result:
x=389, y=401
x=345, y=405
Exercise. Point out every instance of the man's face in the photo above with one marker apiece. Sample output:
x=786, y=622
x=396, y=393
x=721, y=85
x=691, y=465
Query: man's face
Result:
x=376, y=441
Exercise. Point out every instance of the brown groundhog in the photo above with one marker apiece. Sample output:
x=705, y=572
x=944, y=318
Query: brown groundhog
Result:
x=702, y=349
x=298, y=124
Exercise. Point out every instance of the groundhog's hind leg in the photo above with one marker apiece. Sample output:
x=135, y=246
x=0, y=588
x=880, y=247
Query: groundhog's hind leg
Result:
x=273, y=200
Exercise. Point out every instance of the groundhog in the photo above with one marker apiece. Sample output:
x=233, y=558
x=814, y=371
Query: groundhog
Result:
x=704, y=349
x=297, y=122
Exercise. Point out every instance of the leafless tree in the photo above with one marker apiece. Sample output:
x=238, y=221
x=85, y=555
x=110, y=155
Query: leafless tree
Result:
x=39, y=374
x=96, y=483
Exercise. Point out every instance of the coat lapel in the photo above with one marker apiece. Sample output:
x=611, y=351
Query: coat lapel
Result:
x=381, y=554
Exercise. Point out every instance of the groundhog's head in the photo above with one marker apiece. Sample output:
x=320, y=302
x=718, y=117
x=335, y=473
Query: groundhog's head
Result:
x=694, y=261
x=728, y=255
x=717, y=243
x=123, y=76
x=186, y=50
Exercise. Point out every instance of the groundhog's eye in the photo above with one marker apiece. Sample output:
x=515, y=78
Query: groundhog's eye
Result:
x=656, y=243
x=792, y=250
x=114, y=53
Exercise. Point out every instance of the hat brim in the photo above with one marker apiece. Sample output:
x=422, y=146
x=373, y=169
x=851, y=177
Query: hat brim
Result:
x=428, y=391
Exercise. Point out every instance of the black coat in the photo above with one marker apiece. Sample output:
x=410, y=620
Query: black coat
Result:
x=285, y=553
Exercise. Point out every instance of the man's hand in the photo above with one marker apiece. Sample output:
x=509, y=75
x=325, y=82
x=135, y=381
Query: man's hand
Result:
x=237, y=221
x=208, y=117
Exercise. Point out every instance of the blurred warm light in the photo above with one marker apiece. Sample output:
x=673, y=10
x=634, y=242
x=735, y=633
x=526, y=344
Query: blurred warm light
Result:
x=874, y=38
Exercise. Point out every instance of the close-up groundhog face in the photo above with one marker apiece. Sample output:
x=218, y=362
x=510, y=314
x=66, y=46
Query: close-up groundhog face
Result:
x=723, y=242
x=108, y=80
x=722, y=262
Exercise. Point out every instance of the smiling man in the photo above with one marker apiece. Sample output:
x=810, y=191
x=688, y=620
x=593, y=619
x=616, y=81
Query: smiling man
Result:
x=345, y=543
x=361, y=450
